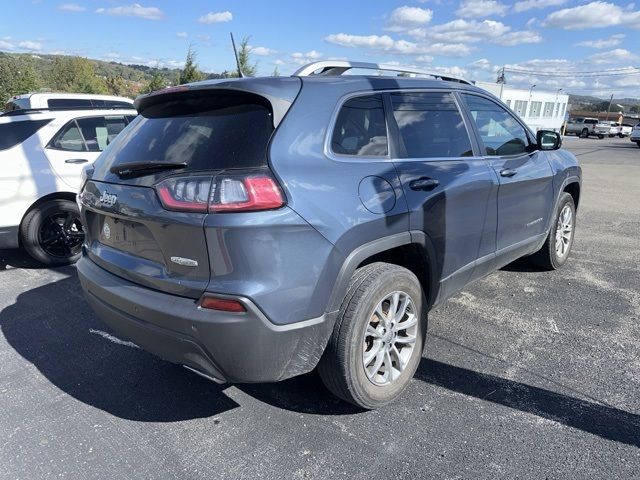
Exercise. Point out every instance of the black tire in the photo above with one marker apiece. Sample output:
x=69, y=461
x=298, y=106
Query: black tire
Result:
x=584, y=133
x=52, y=234
x=547, y=257
x=638, y=143
x=341, y=367
x=600, y=137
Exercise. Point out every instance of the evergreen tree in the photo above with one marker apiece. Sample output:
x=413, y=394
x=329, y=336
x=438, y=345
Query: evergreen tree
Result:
x=190, y=72
x=244, y=58
x=158, y=82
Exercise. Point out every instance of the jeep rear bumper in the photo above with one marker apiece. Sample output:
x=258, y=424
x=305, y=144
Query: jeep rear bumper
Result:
x=232, y=347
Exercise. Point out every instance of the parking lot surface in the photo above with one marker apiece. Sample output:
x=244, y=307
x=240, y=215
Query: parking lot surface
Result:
x=526, y=374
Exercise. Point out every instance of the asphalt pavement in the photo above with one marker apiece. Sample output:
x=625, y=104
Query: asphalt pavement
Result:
x=526, y=374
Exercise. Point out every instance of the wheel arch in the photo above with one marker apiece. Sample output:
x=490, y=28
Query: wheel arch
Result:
x=573, y=189
x=46, y=198
x=411, y=250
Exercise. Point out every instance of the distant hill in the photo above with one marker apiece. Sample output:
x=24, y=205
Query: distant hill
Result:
x=590, y=103
x=134, y=74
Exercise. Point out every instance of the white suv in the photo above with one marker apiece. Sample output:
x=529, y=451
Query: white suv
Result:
x=42, y=153
x=65, y=100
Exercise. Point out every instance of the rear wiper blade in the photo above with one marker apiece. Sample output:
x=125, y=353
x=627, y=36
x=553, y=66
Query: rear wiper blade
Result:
x=141, y=168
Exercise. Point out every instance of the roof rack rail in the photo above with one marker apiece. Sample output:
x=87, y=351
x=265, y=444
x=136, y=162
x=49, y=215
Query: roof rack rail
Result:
x=25, y=111
x=338, y=67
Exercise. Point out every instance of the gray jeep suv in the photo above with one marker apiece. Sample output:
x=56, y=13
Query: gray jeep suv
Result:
x=255, y=229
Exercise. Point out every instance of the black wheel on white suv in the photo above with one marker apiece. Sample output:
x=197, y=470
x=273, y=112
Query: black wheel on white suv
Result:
x=378, y=338
x=584, y=133
x=556, y=248
x=52, y=233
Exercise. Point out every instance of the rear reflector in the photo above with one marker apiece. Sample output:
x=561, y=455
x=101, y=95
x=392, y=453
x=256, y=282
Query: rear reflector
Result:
x=223, y=304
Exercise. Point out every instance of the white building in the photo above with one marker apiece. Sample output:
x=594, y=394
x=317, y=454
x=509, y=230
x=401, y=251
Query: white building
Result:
x=539, y=109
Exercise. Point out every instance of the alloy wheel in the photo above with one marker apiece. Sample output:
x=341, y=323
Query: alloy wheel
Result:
x=564, y=231
x=60, y=235
x=390, y=338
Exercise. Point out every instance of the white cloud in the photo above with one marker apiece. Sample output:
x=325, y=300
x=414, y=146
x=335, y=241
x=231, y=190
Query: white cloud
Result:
x=425, y=58
x=182, y=34
x=387, y=44
x=481, y=8
x=71, y=7
x=525, y=5
x=112, y=55
x=29, y=45
x=617, y=55
x=612, y=41
x=593, y=15
x=307, y=57
x=403, y=18
x=216, y=17
x=262, y=51
x=5, y=45
x=134, y=10
x=472, y=31
x=481, y=64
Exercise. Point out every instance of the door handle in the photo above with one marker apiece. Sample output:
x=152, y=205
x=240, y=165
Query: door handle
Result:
x=76, y=160
x=424, y=183
x=507, y=172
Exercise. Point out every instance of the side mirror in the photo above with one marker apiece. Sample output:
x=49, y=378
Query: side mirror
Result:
x=548, y=140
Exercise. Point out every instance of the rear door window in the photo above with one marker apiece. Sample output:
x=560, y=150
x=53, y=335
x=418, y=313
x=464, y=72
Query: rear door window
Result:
x=360, y=128
x=69, y=138
x=91, y=134
x=501, y=133
x=13, y=133
x=430, y=125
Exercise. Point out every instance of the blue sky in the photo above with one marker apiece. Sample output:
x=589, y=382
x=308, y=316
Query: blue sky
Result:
x=472, y=38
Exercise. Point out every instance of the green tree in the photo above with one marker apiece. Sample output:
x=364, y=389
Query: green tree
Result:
x=17, y=76
x=158, y=82
x=635, y=109
x=190, y=72
x=77, y=75
x=118, y=86
x=244, y=59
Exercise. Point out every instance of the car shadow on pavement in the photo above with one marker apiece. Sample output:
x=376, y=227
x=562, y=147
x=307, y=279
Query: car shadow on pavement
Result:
x=53, y=328
x=17, y=258
x=604, y=421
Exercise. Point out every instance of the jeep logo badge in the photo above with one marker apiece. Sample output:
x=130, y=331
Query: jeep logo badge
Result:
x=107, y=199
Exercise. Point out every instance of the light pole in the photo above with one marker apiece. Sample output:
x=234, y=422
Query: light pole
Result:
x=530, y=91
x=609, y=107
x=555, y=103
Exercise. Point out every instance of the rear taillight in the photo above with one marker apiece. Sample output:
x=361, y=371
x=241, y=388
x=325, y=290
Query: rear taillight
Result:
x=221, y=193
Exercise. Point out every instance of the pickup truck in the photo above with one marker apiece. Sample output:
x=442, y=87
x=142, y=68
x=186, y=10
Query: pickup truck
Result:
x=585, y=127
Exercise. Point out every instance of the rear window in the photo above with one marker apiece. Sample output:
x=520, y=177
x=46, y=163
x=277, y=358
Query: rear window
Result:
x=11, y=134
x=591, y=121
x=210, y=132
x=361, y=128
x=17, y=104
